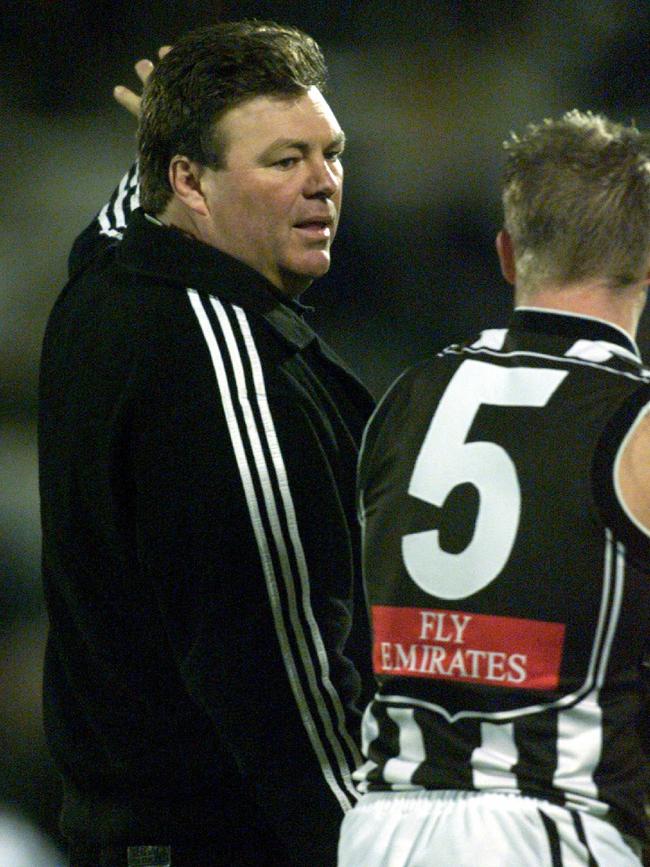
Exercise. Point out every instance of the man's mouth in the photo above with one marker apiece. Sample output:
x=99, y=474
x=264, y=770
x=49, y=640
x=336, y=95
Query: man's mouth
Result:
x=315, y=228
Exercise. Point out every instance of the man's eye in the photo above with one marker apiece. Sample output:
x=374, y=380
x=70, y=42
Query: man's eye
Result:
x=334, y=155
x=286, y=163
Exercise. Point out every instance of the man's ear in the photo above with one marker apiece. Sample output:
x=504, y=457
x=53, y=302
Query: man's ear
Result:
x=185, y=181
x=506, y=254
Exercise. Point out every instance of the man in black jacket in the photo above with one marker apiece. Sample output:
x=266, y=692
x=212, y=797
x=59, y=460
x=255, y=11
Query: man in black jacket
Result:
x=198, y=445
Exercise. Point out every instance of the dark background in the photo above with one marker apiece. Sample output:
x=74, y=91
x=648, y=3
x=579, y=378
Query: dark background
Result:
x=426, y=91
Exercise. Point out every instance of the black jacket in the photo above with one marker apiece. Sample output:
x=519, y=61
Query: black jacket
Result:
x=198, y=445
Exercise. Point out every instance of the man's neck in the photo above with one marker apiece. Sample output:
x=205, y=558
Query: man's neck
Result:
x=179, y=218
x=621, y=307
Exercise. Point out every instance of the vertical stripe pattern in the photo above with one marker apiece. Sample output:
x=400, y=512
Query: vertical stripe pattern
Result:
x=322, y=666
x=580, y=732
x=553, y=839
x=580, y=831
x=579, y=740
x=493, y=761
x=114, y=215
x=267, y=490
x=369, y=732
x=411, y=748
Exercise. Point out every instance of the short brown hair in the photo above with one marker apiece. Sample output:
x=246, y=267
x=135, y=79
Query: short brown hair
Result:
x=576, y=197
x=208, y=72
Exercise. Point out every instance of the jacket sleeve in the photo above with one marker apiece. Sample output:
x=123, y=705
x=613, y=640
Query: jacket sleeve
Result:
x=221, y=536
x=108, y=225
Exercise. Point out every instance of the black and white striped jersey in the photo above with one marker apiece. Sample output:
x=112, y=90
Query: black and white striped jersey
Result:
x=198, y=449
x=509, y=590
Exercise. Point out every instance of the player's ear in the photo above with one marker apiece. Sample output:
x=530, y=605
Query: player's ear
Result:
x=506, y=253
x=185, y=180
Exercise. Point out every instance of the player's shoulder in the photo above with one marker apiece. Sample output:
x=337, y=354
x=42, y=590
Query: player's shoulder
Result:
x=411, y=389
x=437, y=368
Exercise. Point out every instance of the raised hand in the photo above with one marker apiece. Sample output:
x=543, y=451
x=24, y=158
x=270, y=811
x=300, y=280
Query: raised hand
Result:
x=129, y=99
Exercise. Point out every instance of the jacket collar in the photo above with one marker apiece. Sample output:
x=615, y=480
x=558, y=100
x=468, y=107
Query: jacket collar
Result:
x=571, y=325
x=165, y=253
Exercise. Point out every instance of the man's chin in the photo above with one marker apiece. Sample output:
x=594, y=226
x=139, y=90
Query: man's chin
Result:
x=299, y=277
x=310, y=267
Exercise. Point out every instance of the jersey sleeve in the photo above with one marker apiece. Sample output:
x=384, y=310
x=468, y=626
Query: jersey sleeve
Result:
x=108, y=225
x=221, y=537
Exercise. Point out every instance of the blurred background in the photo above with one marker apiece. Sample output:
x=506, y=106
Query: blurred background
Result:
x=426, y=91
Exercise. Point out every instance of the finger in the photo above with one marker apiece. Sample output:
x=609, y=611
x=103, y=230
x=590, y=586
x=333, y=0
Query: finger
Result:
x=127, y=99
x=144, y=69
x=164, y=49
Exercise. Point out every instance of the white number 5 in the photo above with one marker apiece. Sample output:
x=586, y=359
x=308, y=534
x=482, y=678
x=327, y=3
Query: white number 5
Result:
x=446, y=460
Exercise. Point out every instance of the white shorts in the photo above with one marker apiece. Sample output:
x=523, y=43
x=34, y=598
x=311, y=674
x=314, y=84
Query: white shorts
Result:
x=477, y=829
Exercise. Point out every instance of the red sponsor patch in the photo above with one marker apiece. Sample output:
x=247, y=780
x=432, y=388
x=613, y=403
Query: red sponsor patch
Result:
x=477, y=648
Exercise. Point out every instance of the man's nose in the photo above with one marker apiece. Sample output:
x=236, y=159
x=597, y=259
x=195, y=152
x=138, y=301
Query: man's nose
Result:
x=324, y=178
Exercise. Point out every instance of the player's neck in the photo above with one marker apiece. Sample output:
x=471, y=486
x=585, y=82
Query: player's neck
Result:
x=621, y=307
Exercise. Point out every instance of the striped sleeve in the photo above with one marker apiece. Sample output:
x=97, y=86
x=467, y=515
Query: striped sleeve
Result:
x=113, y=217
x=109, y=224
x=241, y=387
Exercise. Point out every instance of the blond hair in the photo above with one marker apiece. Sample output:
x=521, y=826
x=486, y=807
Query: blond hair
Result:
x=576, y=200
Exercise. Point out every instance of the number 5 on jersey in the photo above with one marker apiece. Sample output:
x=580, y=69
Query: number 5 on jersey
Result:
x=447, y=460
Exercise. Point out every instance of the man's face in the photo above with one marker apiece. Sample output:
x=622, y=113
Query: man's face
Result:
x=275, y=205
